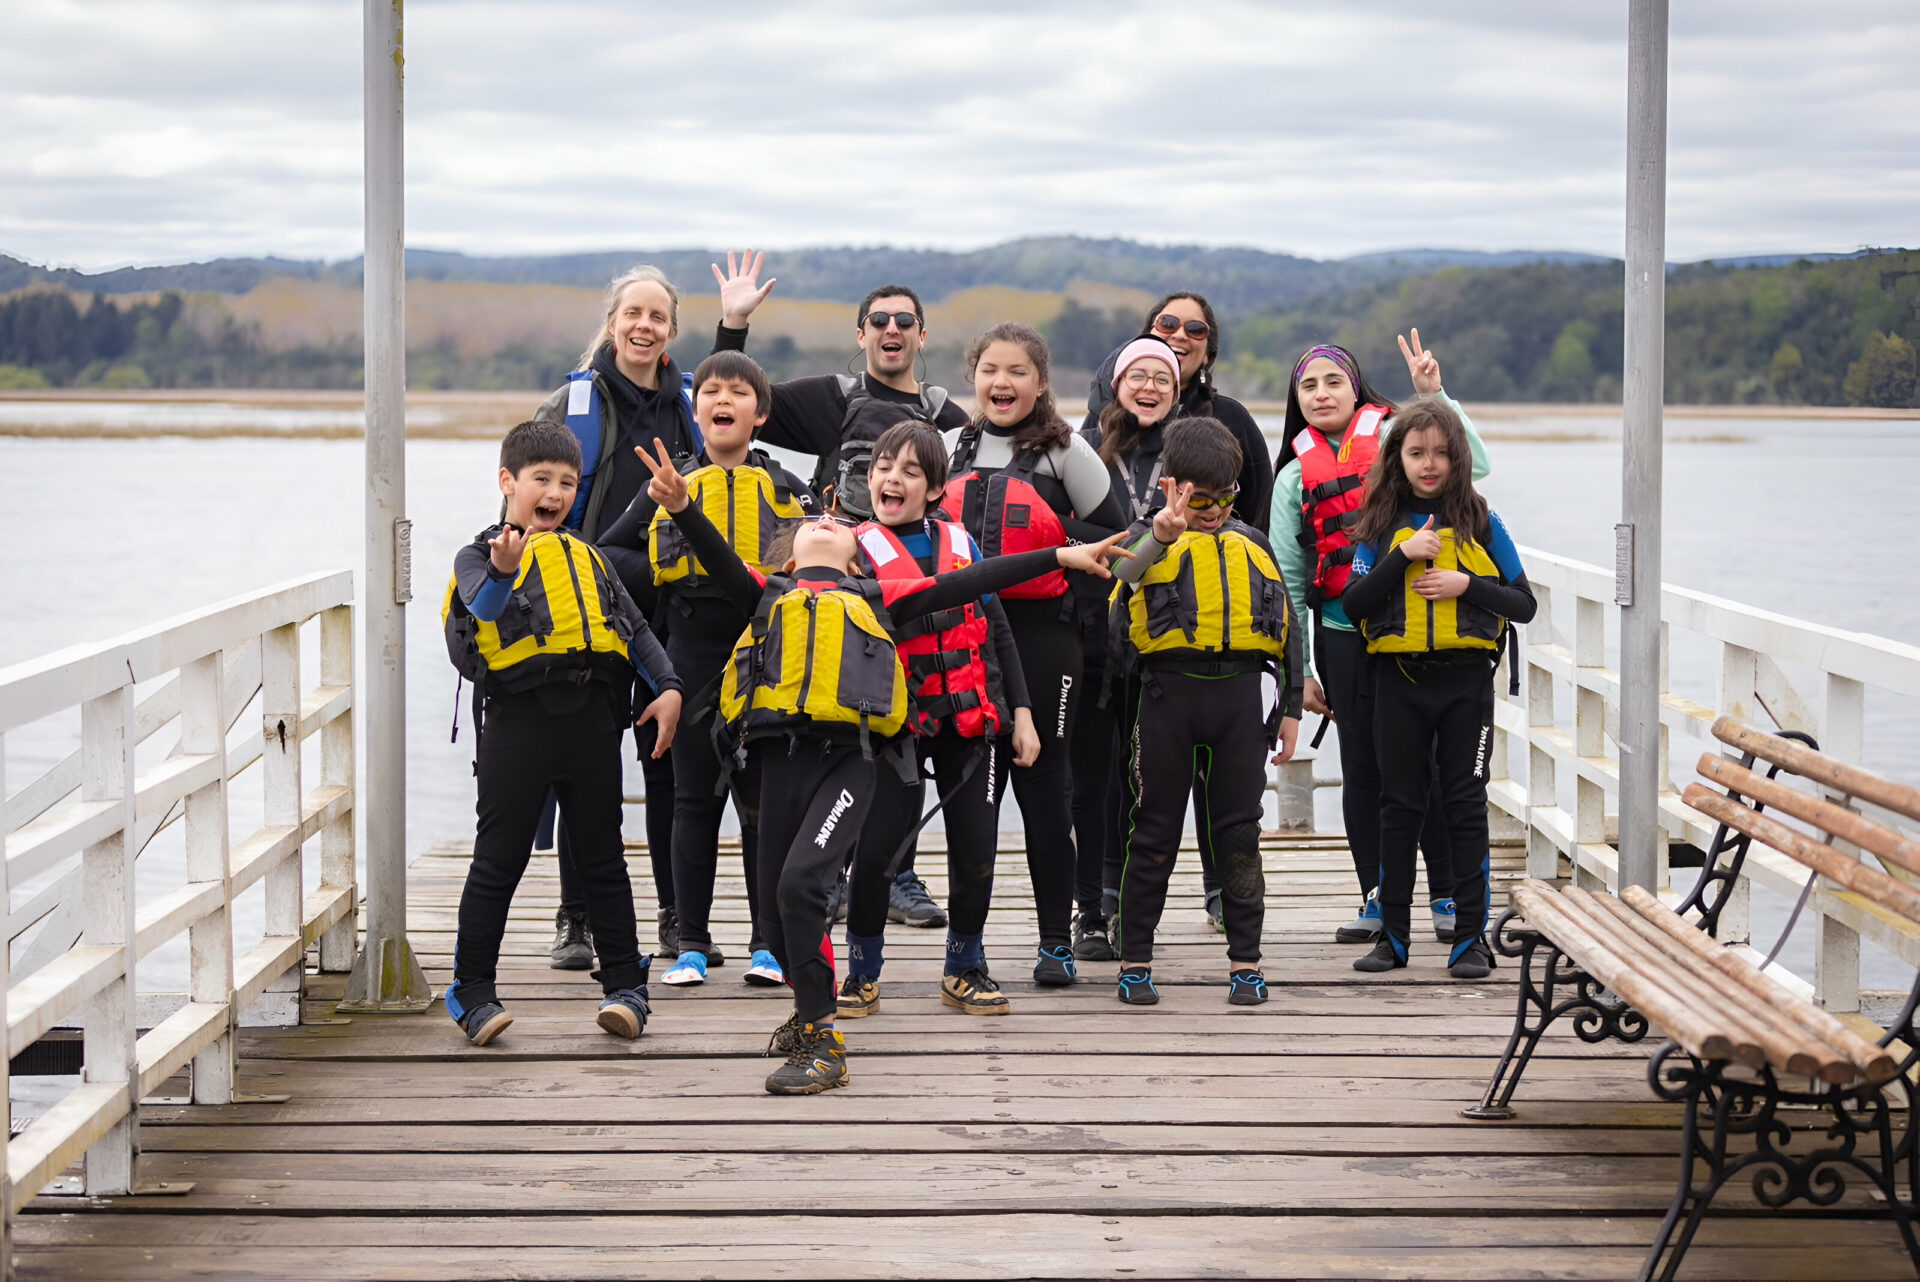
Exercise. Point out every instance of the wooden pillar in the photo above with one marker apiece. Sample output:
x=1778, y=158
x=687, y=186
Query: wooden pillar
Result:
x=203, y=729
x=279, y=1005
x=106, y=887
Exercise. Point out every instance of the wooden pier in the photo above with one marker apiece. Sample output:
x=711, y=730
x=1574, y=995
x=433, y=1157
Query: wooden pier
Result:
x=1317, y=1136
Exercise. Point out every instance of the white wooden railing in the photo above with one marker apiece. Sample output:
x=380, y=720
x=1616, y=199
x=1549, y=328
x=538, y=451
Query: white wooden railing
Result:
x=77, y=829
x=1565, y=658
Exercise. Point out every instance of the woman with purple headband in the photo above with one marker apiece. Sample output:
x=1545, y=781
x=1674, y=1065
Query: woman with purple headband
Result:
x=1334, y=424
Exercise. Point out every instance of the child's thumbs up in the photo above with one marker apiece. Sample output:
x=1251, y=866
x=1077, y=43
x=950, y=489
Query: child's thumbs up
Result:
x=1429, y=524
x=1424, y=544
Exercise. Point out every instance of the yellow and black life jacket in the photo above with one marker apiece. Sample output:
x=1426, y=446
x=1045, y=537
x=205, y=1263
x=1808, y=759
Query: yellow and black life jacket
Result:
x=1411, y=624
x=816, y=658
x=1213, y=599
x=561, y=622
x=750, y=504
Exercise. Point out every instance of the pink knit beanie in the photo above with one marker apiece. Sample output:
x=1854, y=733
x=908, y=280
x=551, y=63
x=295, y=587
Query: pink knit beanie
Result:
x=1145, y=348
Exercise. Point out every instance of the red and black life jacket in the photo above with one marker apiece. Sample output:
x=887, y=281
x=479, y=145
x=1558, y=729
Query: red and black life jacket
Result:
x=944, y=654
x=1006, y=513
x=1332, y=487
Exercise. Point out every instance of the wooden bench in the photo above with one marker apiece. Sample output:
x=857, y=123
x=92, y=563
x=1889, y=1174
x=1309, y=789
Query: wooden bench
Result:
x=1740, y=1045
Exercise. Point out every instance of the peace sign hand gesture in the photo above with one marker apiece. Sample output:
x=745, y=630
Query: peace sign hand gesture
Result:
x=1170, y=522
x=1421, y=364
x=740, y=289
x=505, y=548
x=667, y=488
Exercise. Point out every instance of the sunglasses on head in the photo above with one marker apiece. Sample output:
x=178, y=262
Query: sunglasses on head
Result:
x=1168, y=323
x=1207, y=502
x=878, y=320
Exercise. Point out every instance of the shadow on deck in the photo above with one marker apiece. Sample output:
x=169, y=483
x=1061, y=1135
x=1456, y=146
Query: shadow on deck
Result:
x=1317, y=1136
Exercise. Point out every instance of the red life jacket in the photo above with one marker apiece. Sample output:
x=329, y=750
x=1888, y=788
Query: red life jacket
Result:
x=1332, y=487
x=1006, y=514
x=944, y=654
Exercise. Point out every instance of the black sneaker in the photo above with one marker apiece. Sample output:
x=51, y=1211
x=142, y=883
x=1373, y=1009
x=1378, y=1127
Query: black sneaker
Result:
x=485, y=1022
x=837, y=898
x=1136, y=988
x=624, y=1013
x=1054, y=967
x=1473, y=962
x=818, y=1062
x=786, y=1038
x=1246, y=987
x=909, y=903
x=572, y=942
x=975, y=993
x=1217, y=911
x=859, y=997
x=1385, y=956
x=1091, y=942
x=669, y=918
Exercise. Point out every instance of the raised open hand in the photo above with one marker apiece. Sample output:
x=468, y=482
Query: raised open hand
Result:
x=1422, y=365
x=667, y=488
x=1170, y=522
x=1092, y=558
x=505, y=548
x=740, y=289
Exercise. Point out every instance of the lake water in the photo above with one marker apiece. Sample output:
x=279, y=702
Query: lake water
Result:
x=1807, y=517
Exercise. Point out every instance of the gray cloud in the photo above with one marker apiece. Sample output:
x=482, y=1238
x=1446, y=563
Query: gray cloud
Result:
x=183, y=129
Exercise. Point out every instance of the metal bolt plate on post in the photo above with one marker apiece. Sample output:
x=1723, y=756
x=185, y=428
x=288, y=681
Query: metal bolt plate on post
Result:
x=402, y=561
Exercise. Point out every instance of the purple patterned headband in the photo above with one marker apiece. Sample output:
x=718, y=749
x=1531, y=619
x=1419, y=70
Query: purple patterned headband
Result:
x=1338, y=355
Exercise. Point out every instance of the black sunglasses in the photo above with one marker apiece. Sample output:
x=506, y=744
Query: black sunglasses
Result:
x=905, y=320
x=1168, y=323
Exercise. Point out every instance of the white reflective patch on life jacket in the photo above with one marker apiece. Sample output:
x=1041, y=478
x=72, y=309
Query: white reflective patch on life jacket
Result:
x=579, y=396
x=1303, y=442
x=1369, y=421
x=878, y=546
x=957, y=541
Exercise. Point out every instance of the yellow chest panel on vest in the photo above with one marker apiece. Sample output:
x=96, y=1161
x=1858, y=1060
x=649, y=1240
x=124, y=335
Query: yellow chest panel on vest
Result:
x=1412, y=624
x=744, y=503
x=562, y=610
x=1209, y=593
x=814, y=660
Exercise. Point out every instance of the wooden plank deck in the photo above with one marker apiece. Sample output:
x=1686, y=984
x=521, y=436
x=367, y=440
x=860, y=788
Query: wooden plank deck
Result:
x=1317, y=1136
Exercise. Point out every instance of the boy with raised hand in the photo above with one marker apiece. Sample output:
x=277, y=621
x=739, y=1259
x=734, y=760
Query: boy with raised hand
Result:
x=539, y=622
x=752, y=500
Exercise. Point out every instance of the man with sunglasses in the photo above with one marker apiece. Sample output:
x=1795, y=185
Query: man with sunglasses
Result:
x=836, y=418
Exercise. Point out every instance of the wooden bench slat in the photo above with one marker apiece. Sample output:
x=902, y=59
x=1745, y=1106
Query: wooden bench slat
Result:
x=1875, y=1063
x=1817, y=766
x=1703, y=1036
x=1830, y=863
x=1787, y=1043
x=1885, y=843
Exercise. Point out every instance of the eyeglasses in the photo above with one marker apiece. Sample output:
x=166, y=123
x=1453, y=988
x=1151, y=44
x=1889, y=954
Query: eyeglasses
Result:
x=1208, y=502
x=1168, y=323
x=837, y=519
x=905, y=320
x=1141, y=377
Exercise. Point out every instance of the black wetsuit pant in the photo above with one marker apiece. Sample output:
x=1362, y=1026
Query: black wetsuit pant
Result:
x=1427, y=710
x=565, y=739
x=1050, y=655
x=815, y=799
x=1340, y=658
x=1118, y=797
x=659, y=818
x=970, y=775
x=1096, y=746
x=1204, y=735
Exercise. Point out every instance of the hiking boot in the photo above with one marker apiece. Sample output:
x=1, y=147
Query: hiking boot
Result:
x=1385, y=956
x=785, y=1038
x=572, y=942
x=485, y=1022
x=1217, y=911
x=1091, y=942
x=624, y=1012
x=909, y=903
x=859, y=997
x=763, y=971
x=1136, y=988
x=1246, y=987
x=669, y=918
x=817, y=1063
x=837, y=899
x=689, y=969
x=1366, y=926
x=1443, y=920
x=1475, y=961
x=1054, y=968
x=975, y=993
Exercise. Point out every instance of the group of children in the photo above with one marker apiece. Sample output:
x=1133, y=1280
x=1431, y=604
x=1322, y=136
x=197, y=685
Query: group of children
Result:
x=949, y=609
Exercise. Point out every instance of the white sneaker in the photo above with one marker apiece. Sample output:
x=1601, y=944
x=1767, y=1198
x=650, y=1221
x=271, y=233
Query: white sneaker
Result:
x=689, y=970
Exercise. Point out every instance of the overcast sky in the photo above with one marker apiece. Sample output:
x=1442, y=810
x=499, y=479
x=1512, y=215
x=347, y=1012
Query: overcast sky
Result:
x=170, y=130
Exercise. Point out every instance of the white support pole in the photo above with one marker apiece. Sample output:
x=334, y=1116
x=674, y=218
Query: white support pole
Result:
x=279, y=1005
x=106, y=896
x=386, y=976
x=1645, y=338
x=203, y=728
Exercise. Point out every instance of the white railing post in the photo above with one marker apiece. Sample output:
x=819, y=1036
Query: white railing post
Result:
x=1836, y=948
x=203, y=728
x=6, y=1064
x=106, y=891
x=1543, y=856
x=336, y=768
x=1589, y=735
x=280, y=778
